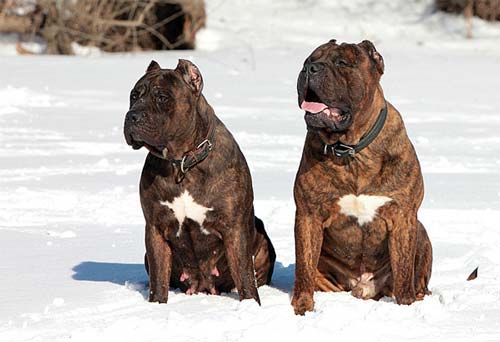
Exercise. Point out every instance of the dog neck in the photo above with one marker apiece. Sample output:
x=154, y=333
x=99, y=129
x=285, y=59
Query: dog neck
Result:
x=367, y=125
x=202, y=117
x=365, y=118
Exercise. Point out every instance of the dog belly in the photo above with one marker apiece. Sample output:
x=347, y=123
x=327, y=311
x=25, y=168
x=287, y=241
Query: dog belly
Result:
x=354, y=257
x=207, y=276
x=198, y=261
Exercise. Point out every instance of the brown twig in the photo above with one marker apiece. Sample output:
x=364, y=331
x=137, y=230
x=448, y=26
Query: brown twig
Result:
x=111, y=25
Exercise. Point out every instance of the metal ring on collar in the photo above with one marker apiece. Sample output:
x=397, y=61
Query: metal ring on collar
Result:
x=182, y=164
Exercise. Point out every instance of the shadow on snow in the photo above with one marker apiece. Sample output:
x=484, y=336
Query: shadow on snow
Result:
x=283, y=277
x=136, y=276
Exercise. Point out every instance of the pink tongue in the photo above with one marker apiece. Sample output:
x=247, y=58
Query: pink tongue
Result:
x=313, y=107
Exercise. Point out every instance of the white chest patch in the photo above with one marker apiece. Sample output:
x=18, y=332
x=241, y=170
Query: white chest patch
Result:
x=363, y=207
x=184, y=207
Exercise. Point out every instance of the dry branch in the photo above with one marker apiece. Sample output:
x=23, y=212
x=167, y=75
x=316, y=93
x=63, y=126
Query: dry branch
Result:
x=484, y=9
x=111, y=25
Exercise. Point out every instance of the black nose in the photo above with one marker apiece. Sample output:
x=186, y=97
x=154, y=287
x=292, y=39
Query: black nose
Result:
x=313, y=67
x=134, y=116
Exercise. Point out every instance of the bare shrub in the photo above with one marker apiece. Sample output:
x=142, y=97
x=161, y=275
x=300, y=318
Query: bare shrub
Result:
x=485, y=9
x=111, y=25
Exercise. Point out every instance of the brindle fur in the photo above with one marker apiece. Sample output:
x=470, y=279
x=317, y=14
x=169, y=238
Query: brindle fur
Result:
x=332, y=250
x=237, y=245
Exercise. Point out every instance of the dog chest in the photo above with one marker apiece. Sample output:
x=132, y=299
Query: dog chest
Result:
x=185, y=207
x=356, y=228
x=363, y=207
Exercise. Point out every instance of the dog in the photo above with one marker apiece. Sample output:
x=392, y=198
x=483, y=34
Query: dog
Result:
x=359, y=185
x=196, y=191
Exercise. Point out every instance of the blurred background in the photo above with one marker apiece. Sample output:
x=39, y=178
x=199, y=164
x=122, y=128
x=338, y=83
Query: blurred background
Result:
x=65, y=26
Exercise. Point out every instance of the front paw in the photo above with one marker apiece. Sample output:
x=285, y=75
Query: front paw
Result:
x=155, y=297
x=302, y=302
x=250, y=293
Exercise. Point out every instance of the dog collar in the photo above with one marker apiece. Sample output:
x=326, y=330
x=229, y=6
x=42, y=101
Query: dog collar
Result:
x=342, y=150
x=196, y=155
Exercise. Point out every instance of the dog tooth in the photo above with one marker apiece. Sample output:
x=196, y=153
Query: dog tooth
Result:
x=164, y=152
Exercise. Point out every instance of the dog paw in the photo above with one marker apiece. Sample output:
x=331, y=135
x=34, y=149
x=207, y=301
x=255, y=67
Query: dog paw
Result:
x=422, y=294
x=157, y=298
x=405, y=299
x=249, y=292
x=358, y=293
x=302, y=303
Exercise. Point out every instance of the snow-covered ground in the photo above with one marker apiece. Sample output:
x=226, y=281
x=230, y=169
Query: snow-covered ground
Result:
x=71, y=227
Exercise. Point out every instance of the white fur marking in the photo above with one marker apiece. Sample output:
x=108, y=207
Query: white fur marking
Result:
x=363, y=207
x=204, y=231
x=184, y=207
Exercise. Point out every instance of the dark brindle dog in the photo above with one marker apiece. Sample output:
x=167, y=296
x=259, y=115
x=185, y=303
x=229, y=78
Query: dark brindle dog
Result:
x=358, y=187
x=196, y=191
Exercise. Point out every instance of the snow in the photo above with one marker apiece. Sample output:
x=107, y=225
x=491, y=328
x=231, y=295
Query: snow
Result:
x=71, y=226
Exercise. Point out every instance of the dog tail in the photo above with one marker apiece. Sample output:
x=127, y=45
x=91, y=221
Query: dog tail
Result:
x=473, y=275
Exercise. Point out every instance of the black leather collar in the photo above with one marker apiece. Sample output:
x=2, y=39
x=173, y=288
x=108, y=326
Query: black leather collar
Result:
x=342, y=150
x=196, y=155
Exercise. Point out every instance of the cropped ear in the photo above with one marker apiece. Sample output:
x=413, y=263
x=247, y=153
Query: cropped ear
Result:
x=375, y=57
x=191, y=75
x=153, y=66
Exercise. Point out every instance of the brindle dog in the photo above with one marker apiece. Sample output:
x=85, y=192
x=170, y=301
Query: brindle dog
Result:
x=196, y=191
x=356, y=226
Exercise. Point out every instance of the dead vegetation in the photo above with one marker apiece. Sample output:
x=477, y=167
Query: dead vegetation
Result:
x=110, y=25
x=484, y=9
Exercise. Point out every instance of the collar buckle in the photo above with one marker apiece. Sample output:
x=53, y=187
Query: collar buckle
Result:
x=206, y=141
x=341, y=150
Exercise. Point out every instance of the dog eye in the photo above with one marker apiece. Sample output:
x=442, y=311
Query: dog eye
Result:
x=161, y=99
x=133, y=96
x=342, y=63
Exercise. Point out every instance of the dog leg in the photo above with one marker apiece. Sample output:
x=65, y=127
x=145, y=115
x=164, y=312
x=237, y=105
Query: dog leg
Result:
x=308, y=242
x=423, y=263
x=159, y=258
x=402, y=250
x=239, y=257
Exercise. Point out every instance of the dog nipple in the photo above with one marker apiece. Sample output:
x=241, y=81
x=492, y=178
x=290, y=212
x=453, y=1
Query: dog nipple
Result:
x=184, y=277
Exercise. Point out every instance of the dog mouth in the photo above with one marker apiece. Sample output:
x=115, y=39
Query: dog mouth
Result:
x=316, y=108
x=322, y=115
x=159, y=151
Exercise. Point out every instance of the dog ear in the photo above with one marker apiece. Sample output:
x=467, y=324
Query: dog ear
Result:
x=375, y=57
x=153, y=66
x=191, y=75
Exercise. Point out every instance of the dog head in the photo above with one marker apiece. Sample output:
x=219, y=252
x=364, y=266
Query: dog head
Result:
x=162, y=106
x=336, y=82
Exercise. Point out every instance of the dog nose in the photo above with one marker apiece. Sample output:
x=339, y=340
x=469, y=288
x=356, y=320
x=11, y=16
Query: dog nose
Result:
x=134, y=116
x=313, y=68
